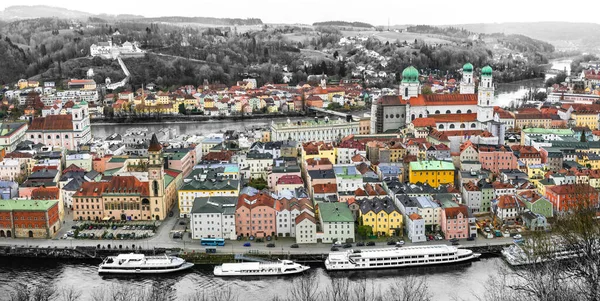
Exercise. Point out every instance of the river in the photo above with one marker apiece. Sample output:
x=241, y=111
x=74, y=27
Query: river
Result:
x=505, y=94
x=463, y=281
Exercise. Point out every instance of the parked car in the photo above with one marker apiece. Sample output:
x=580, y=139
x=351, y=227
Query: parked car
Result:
x=438, y=237
x=177, y=235
x=360, y=244
x=453, y=239
x=400, y=243
x=486, y=229
x=334, y=249
x=370, y=243
x=170, y=213
x=470, y=238
x=294, y=246
x=347, y=245
x=182, y=223
x=74, y=227
x=337, y=244
x=269, y=238
x=455, y=243
x=391, y=243
x=270, y=245
x=518, y=236
x=247, y=244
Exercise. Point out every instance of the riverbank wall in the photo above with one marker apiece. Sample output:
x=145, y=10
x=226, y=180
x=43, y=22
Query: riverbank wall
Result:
x=195, y=256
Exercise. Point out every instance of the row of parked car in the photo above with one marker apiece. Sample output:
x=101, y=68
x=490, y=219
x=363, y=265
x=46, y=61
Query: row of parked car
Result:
x=337, y=245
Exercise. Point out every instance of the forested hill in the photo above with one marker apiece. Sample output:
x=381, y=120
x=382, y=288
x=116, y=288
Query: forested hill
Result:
x=19, y=12
x=14, y=61
x=511, y=41
x=343, y=23
x=206, y=20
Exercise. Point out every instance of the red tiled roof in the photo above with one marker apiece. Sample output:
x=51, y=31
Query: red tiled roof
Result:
x=44, y=167
x=568, y=189
x=509, y=201
x=414, y=216
x=424, y=122
x=352, y=144
x=305, y=215
x=500, y=185
x=73, y=167
x=16, y=155
x=391, y=100
x=224, y=156
x=452, y=212
x=117, y=184
x=320, y=161
x=289, y=179
x=45, y=193
x=444, y=100
x=324, y=188
x=52, y=123
x=259, y=199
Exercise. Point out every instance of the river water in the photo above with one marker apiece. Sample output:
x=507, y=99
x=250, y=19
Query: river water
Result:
x=463, y=282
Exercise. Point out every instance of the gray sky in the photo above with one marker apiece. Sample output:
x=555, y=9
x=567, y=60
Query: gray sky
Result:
x=376, y=12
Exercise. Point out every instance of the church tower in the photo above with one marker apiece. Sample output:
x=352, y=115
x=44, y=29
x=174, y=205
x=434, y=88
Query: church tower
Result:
x=467, y=85
x=410, y=86
x=155, y=177
x=485, y=98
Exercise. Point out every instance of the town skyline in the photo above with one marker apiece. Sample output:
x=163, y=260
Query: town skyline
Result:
x=471, y=12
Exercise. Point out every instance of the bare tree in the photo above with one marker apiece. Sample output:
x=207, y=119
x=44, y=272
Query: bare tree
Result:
x=338, y=289
x=409, y=289
x=218, y=294
x=305, y=288
x=27, y=293
x=563, y=265
x=69, y=293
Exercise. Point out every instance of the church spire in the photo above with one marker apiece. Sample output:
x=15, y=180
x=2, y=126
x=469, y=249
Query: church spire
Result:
x=155, y=146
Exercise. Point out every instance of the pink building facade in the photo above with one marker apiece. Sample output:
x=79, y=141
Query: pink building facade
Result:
x=256, y=216
x=495, y=159
x=455, y=222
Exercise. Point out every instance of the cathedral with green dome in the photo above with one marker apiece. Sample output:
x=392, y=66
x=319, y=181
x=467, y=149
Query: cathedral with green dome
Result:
x=471, y=109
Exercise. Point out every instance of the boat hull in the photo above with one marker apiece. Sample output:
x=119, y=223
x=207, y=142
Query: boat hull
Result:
x=330, y=267
x=184, y=266
x=219, y=273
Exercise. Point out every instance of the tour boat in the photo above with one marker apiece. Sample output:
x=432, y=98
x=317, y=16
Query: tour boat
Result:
x=397, y=257
x=515, y=255
x=142, y=264
x=278, y=268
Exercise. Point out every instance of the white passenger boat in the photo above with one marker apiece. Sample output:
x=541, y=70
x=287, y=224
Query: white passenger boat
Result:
x=282, y=267
x=397, y=257
x=516, y=255
x=142, y=264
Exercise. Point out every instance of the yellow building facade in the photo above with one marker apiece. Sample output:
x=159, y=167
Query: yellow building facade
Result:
x=435, y=173
x=588, y=119
x=383, y=223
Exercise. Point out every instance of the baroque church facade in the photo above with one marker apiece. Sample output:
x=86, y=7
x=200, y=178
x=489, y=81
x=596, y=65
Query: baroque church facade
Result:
x=462, y=111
